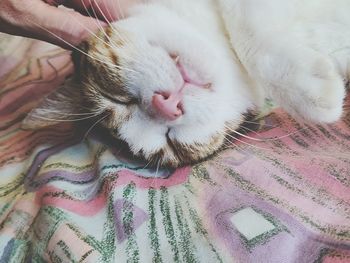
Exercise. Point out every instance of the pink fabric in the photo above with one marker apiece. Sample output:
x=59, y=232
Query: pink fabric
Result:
x=67, y=199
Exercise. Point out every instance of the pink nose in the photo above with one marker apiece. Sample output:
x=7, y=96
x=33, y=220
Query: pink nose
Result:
x=168, y=105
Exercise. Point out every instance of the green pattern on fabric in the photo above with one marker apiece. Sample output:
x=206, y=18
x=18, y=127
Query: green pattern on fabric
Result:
x=168, y=224
x=186, y=245
x=128, y=219
x=152, y=228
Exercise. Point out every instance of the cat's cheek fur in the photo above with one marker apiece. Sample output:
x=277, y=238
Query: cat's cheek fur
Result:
x=142, y=134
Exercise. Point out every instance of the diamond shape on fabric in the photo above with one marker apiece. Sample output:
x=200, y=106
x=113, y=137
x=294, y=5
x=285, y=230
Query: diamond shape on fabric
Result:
x=139, y=217
x=254, y=226
x=250, y=223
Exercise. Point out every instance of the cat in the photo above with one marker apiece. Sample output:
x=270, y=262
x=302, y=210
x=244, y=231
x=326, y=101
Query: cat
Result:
x=175, y=77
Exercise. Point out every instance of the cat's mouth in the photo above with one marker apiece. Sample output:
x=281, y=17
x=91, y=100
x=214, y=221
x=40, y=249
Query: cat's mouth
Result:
x=187, y=79
x=173, y=153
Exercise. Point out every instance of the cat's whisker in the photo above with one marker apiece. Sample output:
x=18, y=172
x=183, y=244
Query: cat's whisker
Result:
x=123, y=16
x=66, y=120
x=250, y=130
x=109, y=23
x=98, y=23
x=91, y=32
x=74, y=114
x=241, y=141
x=55, y=35
x=99, y=108
x=258, y=123
x=147, y=164
x=229, y=144
x=233, y=145
x=94, y=125
x=228, y=139
x=264, y=139
x=83, y=116
x=246, y=136
x=124, y=39
x=157, y=170
x=154, y=178
x=120, y=9
x=85, y=27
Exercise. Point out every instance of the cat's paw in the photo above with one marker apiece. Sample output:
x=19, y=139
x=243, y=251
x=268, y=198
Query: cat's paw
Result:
x=317, y=92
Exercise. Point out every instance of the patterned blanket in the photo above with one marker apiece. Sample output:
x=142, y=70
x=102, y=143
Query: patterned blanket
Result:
x=282, y=196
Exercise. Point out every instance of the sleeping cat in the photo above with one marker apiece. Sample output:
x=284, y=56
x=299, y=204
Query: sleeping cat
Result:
x=175, y=77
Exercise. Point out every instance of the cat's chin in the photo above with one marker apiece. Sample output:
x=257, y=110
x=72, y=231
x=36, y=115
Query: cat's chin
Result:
x=167, y=157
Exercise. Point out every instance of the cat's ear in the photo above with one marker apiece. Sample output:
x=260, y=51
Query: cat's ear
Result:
x=58, y=106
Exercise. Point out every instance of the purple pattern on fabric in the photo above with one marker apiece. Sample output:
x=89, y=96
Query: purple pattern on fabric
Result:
x=139, y=217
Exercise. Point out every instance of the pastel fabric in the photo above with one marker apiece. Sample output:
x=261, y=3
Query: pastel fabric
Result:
x=66, y=197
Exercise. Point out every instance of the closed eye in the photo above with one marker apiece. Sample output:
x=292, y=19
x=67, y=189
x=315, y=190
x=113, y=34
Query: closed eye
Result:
x=127, y=101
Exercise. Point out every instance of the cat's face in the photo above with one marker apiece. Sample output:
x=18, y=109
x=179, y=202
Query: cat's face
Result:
x=165, y=88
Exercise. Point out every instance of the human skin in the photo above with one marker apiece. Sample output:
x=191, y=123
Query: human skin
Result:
x=64, y=27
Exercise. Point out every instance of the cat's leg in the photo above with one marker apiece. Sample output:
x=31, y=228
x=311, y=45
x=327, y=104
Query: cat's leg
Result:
x=341, y=57
x=333, y=40
x=304, y=82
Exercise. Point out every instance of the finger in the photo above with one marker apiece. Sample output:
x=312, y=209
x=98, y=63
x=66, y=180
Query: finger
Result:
x=55, y=2
x=107, y=10
x=102, y=9
x=59, y=26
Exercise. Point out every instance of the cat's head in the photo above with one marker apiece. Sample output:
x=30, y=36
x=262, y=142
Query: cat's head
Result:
x=159, y=84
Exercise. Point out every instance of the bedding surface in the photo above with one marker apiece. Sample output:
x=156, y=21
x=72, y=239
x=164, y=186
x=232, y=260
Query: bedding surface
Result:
x=69, y=196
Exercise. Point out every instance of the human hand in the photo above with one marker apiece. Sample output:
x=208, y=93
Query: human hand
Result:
x=42, y=19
